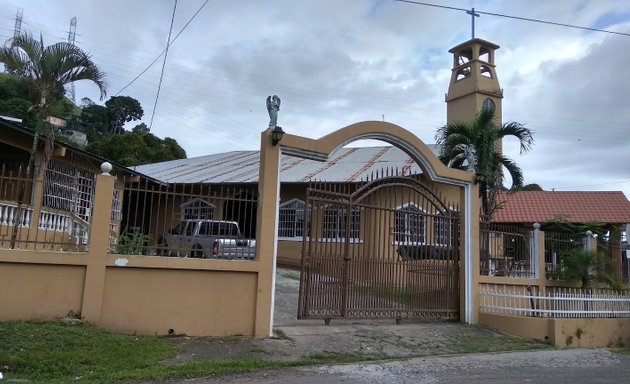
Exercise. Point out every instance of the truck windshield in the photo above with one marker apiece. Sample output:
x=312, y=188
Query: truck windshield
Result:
x=225, y=229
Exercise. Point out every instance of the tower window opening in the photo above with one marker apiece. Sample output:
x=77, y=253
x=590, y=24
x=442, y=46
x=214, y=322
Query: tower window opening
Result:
x=486, y=71
x=462, y=57
x=463, y=73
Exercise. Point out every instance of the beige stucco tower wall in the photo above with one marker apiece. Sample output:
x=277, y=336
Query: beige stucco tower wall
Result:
x=474, y=83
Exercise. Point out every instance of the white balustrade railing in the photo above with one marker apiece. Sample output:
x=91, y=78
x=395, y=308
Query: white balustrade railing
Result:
x=9, y=213
x=50, y=221
x=558, y=303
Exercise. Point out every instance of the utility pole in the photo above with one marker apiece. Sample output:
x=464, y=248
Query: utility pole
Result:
x=71, y=35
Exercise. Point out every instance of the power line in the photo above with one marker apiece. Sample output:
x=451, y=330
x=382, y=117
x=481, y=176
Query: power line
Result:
x=168, y=44
x=163, y=51
x=595, y=185
x=514, y=17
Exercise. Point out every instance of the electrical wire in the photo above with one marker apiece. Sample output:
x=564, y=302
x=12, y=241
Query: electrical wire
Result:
x=163, y=51
x=515, y=17
x=595, y=185
x=168, y=44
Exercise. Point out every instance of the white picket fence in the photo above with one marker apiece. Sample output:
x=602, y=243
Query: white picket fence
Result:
x=555, y=303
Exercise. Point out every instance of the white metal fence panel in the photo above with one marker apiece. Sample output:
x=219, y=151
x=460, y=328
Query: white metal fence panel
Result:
x=556, y=303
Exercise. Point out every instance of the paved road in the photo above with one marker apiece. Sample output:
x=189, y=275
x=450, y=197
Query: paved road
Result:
x=553, y=366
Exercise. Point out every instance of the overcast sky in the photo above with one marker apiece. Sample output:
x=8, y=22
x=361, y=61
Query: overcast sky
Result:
x=337, y=62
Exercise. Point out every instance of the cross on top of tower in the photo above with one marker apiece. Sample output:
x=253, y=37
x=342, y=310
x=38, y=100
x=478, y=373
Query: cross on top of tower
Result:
x=473, y=14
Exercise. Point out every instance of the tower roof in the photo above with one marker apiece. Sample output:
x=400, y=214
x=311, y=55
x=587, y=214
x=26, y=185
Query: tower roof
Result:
x=472, y=41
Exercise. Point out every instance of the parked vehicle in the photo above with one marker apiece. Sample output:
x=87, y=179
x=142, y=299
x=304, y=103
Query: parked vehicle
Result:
x=214, y=239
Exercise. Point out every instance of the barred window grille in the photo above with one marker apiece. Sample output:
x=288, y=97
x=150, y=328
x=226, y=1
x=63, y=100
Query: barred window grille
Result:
x=69, y=189
x=116, y=206
x=197, y=209
x=410, y=224
x=291, y=219
x=444, y=229
x=335, y=221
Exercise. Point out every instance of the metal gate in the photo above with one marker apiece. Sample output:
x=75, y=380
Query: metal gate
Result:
x=383, y=249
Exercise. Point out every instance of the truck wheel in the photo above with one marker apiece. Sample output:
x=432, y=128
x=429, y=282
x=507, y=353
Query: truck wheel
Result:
x=196, y=251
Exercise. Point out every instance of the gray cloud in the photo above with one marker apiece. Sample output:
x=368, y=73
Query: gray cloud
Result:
x=335, y=63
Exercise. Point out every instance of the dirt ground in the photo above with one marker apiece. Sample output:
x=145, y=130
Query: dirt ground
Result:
x=295, y=339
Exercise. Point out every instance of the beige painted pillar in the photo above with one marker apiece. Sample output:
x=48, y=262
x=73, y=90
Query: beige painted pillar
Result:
x=266, y=235
x=99, y=243
x=539, y=238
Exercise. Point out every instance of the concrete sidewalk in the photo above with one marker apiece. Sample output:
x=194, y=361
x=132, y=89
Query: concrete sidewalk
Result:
x=382, y=339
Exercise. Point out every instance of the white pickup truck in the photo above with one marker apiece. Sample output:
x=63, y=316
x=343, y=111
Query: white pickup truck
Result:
x=212, y=239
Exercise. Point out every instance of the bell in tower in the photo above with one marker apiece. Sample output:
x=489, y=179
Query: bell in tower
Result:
x=474, y=84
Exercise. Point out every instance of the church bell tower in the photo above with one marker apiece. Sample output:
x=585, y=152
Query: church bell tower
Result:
x=474, y=84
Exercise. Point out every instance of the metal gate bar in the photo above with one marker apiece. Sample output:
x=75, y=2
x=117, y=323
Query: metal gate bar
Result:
x=388, y=249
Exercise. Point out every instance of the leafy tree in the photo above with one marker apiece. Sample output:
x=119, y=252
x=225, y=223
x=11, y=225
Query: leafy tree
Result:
x=122, y=109
x=12, y=86
x=19, y=108
x=93, y=120
x=472, y=146
x=18, y=100
x=561, y=224
x=140, y=128
x=530, y=187
x=136, y=147
x=173, y=148
x=49, y=69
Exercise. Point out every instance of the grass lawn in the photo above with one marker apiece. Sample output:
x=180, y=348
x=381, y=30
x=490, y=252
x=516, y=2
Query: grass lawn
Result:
x=61, y=353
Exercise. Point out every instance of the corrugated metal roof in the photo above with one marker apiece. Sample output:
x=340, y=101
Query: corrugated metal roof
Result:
x=344, y=165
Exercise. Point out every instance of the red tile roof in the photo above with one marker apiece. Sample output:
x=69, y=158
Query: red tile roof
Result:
x=577, y=207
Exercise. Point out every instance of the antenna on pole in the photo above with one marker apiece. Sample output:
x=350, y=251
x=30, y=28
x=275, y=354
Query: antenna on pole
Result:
x=71, y=37
x=17, y=30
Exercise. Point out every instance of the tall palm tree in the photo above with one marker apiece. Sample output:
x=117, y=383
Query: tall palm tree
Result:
x=472, y=146
x=49, y=68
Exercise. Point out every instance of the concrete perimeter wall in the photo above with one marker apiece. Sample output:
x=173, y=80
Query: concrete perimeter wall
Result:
x=563, y=333
x=149, y=295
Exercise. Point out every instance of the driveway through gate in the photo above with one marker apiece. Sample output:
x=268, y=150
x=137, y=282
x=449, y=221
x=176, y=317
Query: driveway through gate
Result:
x=387, y=249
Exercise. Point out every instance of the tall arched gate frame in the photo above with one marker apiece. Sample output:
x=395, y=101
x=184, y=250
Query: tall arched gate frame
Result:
x=363, y=268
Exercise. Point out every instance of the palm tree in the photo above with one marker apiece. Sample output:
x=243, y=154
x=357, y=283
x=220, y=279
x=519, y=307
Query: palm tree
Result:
x=49, y=68
x=472, y=146
x=587, y=267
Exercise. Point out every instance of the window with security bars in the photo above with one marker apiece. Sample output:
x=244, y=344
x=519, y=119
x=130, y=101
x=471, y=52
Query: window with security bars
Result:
x=444, y=230
x=197, y=209
x=69, y=189
x=410, y=225
x=291, y=219
x=335, y=222
x=116, y=207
